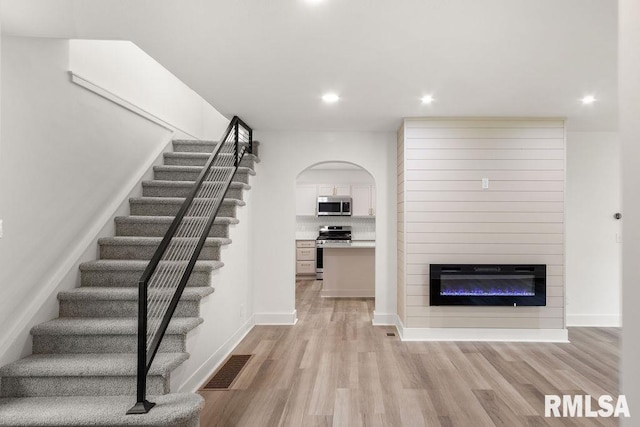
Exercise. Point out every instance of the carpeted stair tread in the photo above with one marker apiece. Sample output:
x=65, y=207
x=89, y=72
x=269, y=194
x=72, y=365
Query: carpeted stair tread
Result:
x=108, y=326
x=204, y=156
x=127, y=294
x=158, y=225
x=144, y=240
x=183, y=188
x=140, y=265
x=127, y=273
x=89, y=365
x=180, y=200
x=171, y=410
x=169, y=168
x=145, y=219
x=166, y=183
x=188, y=145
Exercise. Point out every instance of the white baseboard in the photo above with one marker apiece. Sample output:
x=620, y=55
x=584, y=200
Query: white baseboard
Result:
x=384, y=319
x=347, y=293
x=202, y=374
x=481, y=334
x=595, y=320
x=276, y=318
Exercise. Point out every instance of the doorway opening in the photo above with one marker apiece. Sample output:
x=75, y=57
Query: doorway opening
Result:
x=335, y=233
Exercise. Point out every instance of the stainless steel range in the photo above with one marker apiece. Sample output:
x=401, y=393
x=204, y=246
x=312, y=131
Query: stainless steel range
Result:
x=330, y=234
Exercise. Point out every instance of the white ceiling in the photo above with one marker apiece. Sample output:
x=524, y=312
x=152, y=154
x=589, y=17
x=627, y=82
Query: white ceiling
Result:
x=270, y=61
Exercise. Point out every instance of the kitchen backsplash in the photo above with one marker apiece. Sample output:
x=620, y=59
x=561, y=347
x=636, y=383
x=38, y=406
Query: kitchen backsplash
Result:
x=362, y=228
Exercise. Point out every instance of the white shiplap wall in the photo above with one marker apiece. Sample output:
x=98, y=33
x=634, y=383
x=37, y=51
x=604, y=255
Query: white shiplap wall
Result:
x=445, y=216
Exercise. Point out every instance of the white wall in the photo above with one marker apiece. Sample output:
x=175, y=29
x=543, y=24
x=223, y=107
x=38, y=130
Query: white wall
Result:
x=450, y=218
x=124, y=69
x=593, y=258
x=228, y=312
x=629, y=93
x=287, y=154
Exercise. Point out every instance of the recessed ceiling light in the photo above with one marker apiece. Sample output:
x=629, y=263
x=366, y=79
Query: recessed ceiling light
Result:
x=330, y=97
x=589, y=99
x=427, y=99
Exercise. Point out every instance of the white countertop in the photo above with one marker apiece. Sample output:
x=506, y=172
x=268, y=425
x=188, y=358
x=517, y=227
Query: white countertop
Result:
x=355, y=244
x=306, y=236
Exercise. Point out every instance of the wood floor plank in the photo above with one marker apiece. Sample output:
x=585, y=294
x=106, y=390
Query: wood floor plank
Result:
x=334, y=368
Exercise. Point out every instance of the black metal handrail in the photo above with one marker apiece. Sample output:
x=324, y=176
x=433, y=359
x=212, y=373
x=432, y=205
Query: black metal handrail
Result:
x=176, y=256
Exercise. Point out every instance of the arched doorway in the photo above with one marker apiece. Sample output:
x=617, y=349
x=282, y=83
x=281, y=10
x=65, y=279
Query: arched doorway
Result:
x=344, y=271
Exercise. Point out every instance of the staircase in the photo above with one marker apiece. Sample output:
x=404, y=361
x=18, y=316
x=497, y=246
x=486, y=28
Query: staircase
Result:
x=83, y=367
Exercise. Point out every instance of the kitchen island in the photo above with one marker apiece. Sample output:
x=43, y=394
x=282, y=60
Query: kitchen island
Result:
x=349, y=269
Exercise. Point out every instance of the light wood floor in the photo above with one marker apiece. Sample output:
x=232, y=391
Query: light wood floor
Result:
x=335, y=368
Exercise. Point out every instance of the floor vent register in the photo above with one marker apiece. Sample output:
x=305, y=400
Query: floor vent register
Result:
x=227, y=374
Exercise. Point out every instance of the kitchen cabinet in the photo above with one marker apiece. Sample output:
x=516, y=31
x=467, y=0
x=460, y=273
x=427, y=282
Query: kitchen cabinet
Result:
x=306, y=199
x=305, y=257
x=364, y=200
x=334, y=190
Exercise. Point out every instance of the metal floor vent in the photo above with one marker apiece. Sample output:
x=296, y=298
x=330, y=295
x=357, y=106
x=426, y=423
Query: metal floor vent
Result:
x=391, y=334
x=227, y=374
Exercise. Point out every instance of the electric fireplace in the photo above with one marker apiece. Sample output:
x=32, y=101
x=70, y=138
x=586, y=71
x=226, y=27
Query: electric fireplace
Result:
x=488, y=284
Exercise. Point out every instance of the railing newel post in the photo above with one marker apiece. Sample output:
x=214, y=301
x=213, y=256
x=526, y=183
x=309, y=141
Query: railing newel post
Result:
x=142, y=405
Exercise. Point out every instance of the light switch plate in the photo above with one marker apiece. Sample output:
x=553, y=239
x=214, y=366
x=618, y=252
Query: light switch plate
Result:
x=1, y=231
x=485, y=183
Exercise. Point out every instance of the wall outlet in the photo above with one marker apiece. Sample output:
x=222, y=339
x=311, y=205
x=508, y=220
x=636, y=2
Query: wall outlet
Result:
x=485, y=183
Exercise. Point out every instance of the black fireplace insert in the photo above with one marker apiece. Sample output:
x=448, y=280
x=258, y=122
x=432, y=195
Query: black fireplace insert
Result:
x=488, y=284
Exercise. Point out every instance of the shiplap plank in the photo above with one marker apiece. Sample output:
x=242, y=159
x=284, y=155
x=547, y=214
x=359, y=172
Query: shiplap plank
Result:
x=489, y=122
x=484, y=164
x=485, y=132
x=479, y=217
x=466, y=238
x=485, y=322
x=479, y=258
x=553, y=270
x=493, y=227
x=486, y=154
x=422, y=308
x=485, y=143
x=477, y=175
x=484, y=196
x=476, y=185
x=503, y=207
x=479, y=248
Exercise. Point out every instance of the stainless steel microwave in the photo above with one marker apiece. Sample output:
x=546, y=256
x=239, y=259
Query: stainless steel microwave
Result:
x=334, y=206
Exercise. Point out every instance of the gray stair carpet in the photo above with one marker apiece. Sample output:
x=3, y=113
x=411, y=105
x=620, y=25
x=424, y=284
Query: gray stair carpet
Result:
x=83, y=367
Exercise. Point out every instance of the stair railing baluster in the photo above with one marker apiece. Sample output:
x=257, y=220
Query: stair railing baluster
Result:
x=180, y=251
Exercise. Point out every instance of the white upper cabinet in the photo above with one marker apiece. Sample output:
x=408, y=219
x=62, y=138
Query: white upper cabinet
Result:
x=306, y=199
x=363, y=203
x=363, y=195
x=334, y=190
x=325, y=190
